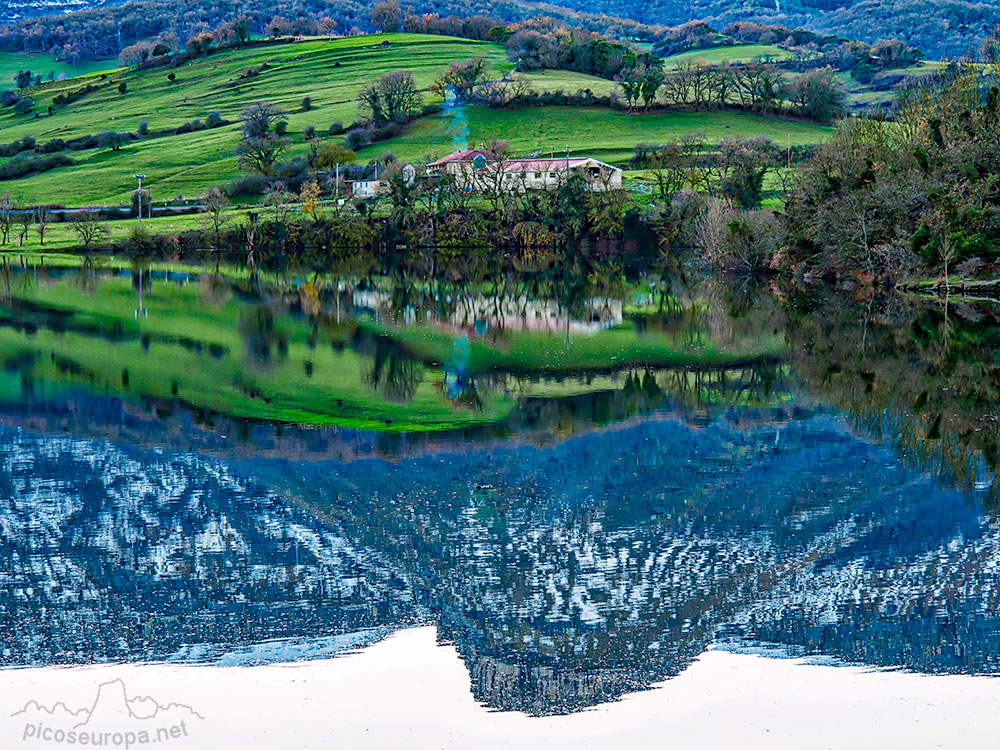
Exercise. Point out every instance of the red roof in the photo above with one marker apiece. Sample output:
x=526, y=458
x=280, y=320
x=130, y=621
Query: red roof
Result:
x=545, y=165
x=457, y=156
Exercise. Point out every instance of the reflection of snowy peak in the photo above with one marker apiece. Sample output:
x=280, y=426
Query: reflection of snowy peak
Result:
x=565, y=575
x=109, y=552
x=572, y=574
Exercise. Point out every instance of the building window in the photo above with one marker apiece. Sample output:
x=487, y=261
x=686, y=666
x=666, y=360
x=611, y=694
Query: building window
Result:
x=552, y=174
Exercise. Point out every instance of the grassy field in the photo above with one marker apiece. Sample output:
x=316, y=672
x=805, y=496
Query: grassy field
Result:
x=570, y=82
x=43, y=63
x=741, y=53
x=330, y=71
x=605, y=134
x=60, y=237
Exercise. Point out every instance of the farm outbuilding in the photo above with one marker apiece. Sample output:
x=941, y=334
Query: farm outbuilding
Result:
x=548, y=174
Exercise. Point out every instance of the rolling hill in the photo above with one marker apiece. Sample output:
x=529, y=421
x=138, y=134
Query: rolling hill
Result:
x=330, y=71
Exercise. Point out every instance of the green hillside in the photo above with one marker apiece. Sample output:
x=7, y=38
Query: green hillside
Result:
x=330, y=72
x=743, y=53
x=43, y=63
x=600, y=132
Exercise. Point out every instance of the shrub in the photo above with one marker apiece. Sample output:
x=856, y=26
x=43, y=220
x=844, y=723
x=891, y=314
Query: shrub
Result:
x=22, y=144
x=307, y=103
x=113, y=140
x=214, y=120
x=82, y=142
x=122, y=87
x=190, y=127
x=24, y=106
x=139, y=238
x=309, y=132
x=336, y=128
x=281, y=127
x=22, y=166
x=72, y=96
x=364, y=135
x=247, y=186
x=143, y=128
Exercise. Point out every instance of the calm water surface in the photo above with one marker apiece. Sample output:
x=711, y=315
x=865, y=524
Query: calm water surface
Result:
x=582, y=489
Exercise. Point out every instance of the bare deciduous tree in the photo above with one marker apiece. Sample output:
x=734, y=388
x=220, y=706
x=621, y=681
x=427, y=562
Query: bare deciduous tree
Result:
x=260, y=147
x=386, y=16
x=393, y=97
x=42, y=218
x=89, y=230
x=461, y=78
x=6, y=219
x=216, y=201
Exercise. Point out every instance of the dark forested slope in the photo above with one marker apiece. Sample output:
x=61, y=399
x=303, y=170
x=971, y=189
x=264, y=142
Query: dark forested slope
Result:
x=941, y=28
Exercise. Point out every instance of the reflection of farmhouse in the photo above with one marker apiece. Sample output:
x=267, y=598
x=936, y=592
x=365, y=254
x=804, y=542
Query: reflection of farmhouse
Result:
x=483, y=313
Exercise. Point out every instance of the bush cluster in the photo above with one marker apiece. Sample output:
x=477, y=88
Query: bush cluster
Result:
x=22, y=166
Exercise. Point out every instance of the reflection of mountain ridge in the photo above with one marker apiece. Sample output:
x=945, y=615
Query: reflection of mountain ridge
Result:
x=566, y=575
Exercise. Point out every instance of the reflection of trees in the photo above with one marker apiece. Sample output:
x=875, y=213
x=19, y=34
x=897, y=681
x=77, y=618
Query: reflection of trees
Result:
x=387, y=367
x=260, y=336
x=86, y=278
x=142, y=279
x=923, y=378
x=754, y=383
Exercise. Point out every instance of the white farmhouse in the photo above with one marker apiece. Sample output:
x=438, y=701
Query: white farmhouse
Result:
x=369, y=188
x=375, y=187
x=548, y=174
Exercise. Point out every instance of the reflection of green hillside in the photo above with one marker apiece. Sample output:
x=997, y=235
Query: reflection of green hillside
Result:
x=551, y=352
x=230, y=350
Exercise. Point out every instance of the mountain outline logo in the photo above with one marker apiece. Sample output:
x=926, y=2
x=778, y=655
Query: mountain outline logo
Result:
x=113, y=718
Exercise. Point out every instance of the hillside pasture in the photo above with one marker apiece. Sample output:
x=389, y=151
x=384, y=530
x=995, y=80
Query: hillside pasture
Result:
x=595, y=131
x=569, y=82
x=330, y=71
x=43, y=63
x=743, y=53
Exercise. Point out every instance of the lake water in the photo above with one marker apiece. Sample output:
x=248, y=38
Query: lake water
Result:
x=498, y=495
